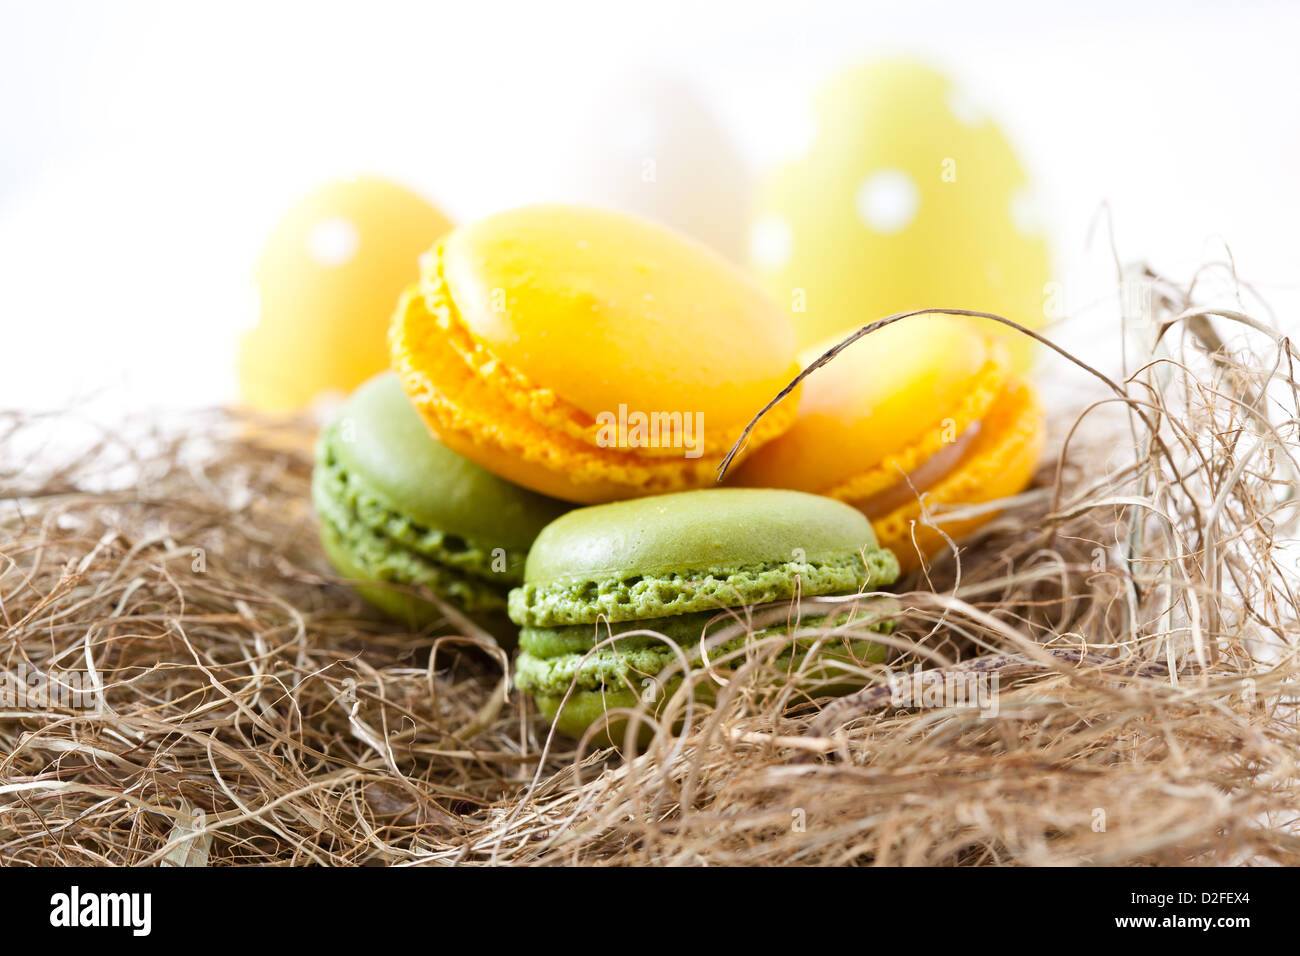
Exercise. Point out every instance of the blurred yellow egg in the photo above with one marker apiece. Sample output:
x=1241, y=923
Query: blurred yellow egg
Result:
x=907, y=198
x=327, y=283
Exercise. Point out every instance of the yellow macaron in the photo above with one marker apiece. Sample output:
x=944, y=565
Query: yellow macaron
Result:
x=588, y=354
x=927, y=409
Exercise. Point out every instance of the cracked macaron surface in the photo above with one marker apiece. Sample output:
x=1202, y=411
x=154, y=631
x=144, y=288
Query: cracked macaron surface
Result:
x=928, y=410
x=671, y=566
x=397, y=507
x=531, y=329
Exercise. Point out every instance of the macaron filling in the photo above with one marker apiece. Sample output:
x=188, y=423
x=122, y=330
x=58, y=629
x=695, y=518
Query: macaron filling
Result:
x=1000, y=462
x=549, y=642
x=388, y=546
x=920, y=480
x=549, y=667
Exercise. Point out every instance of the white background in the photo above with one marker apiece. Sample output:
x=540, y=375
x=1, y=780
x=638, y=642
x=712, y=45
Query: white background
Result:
x=145, y=149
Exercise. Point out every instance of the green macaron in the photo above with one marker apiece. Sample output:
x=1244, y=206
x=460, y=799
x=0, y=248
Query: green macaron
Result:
x=398, y=508
x=676, y=565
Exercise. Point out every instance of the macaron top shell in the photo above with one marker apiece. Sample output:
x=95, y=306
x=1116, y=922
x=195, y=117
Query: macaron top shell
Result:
x=609, y=309
x=696, y=551
x=882, y=407
x=698, y=530
x=379, y=438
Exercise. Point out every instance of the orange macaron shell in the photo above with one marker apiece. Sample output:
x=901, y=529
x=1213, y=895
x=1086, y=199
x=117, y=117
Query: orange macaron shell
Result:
x=881, y=409
x=926, y=400
x=531, y=330
x=480, y=418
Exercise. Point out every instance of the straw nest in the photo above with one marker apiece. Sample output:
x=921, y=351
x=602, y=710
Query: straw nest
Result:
x=242, y=706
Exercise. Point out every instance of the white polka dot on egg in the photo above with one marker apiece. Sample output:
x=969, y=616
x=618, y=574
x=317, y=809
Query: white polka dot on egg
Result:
x=333, y=242
x=888, y=200
x=771, y=243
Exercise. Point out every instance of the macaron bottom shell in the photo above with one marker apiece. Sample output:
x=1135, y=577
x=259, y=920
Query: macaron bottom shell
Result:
x=650, y=694
x=584, y=708
x=399, y=604
x=624, y=672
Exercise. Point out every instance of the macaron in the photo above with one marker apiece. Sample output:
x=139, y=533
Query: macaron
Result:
x=588, y=354
x=927, y=409
x=674, y=565
x=397, y=508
